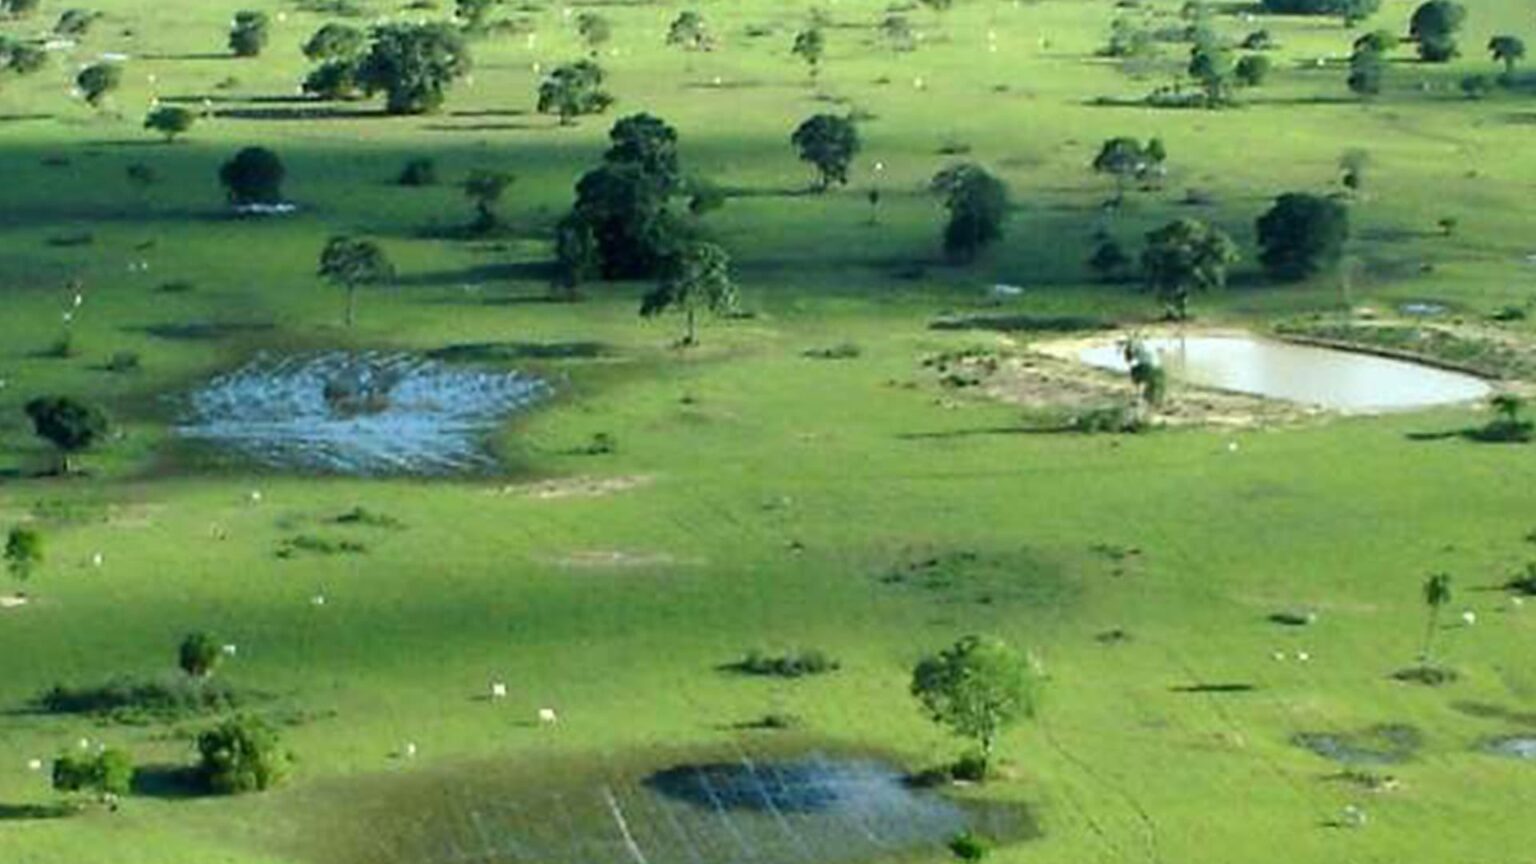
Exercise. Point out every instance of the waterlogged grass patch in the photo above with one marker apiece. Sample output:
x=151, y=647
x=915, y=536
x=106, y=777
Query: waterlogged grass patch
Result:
x=1386, y=744
x=788, y=806
x=358, y=414
x=1022, y=576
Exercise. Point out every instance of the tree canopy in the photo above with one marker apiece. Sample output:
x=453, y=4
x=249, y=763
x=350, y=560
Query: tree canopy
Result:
x=70, y=425
x=23, y=551
x=253, y=176
x=336, y=42
x=97, y=80
x=350, y=263
x=1301, y=235
x=242, y=754
x=978, y=208
x=1185, y=257
x=977, y=687
x=170, y=121
x=697, y=278
x=574, y=89
x=248, y=34
x=1433, y=27
x=413, y=65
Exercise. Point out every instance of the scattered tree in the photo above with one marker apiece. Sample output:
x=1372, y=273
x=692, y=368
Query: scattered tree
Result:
x=648, y=143
x=98, y=80
x=70, y=425
x=23, y=552
x=1437, y=595
x=828, y=142
x=572, y=90
x=697, y=279
x=420, y=171
x=241, y=755
x=473, y=14
x=689, y=32
x=978, y=688
x=595, y=31
x=413, y=65
x=810, y=46
x=484, y=189
x=22, y=58
x=333, y=80
x=1433, y=27
x=1126, y=159
x=198, y=655
x=1367, y=66
x=1302, y=235
x=253, y=176
x=1352, y=167
x=1184, y=257
x=1509, y=50
x=350, y=263
x=897, y=33
x=978, y=207
x=170, y=121
x=248, y=34
x=1210, y=66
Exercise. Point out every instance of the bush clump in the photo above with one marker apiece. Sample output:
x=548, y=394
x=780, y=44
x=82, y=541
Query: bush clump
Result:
x=138, y=701
x=795, y=664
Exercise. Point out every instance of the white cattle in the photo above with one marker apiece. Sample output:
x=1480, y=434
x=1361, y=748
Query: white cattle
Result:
x=548, y=717
x=34, y=764
x=230, y=649
x=1469, y=617
x=1303, y=656
x=97, y=560
x=409, y=751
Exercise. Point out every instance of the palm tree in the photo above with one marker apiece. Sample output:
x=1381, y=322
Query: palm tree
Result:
x=1437, y=593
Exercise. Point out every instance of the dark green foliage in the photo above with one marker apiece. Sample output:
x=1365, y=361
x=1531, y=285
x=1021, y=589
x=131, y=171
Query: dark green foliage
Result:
x=253, y=176
x=828, y=142
x=1126, y=159
x=648, y=143
x=1433, y=27
x=421, y=171
x=22, y=58
x=1252, y=70
x=170, y=121
x=123, y=362
x=336, y=42
x=810, y=46
x=97, y=80
x=1507, y=426
x=198, y=655
x=1508, y=50
x=1437, y=595
x=362, y=516
x=1367, y=66
x=697, y=278
x=1129, y=39
x=1476, y=86
x=796, y=664
x=126, y=700
x=75, y=22
x=350, y=263
x=620, y=226
x=413, y=65
x=978, y=208
x=1302, y=235
x=1351, y=10
x=1258, y=40
x=23, y=551
x=319, y=546
x=472, y=14
x=1185, y=257
x=704, y=196
x=1109, y=259
x=19, y=8
x=108, y=772
x=240, y=755
x=688, y=31
x=1525, y=581
x=333, y=80
x=1115, y=419
x=977, y=687
x=248, y=34
x=68, y=424
x=572, y=90
x=968, y=847
x=1211, y=68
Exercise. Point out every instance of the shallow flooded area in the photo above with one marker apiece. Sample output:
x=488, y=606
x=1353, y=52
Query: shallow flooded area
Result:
x=1306, y=374
x=359, y=414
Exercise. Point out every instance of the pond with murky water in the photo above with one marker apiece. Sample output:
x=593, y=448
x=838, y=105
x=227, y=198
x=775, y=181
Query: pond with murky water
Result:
x=1338, y=380
x=360, y=414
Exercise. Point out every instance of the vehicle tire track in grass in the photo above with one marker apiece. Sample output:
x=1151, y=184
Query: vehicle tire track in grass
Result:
x=1083, y=812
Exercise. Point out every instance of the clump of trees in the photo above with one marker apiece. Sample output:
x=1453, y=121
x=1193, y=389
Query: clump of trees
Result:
x=1351, y=11
x=978, y=209
x=1183, y=258
x=1301, y=235
x=1126, y=159
x=1368, y=63
x=248, y=33
x=1433, y=29
x=108, y=773
x=978, y=687
x=339, y=49
x=828, y=142
x=689, y=33
x=70, y=425
x=253, y=176
x=572, y=90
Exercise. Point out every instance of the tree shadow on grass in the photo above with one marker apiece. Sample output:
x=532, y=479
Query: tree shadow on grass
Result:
x=225, y=99
x=206, y=55
x=29, y=812
x=482, y=127
x=17, y=118
x=484, y=273
x=322, y=112
x=168, y=782
x=994, y=430
x=1495, y=432
x=201, y=331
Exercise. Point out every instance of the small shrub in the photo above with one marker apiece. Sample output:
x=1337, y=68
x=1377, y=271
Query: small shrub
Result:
x=241, y=755
x=418, y=172
x=778, y=721
x=1509, y=314
x=1111, y=419
x=840, y=351
x=969, y=847
x=62, y=348
x=792, y=665
x=972, y=768
x=141, y=174
x=124, y=361
x=1430, y=676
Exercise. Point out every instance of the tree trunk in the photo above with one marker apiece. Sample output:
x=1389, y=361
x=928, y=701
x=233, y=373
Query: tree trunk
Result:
x=690, y=338
x=351, y=305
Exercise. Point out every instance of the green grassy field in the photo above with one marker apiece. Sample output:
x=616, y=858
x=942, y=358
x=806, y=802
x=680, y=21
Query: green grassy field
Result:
x=772, y=492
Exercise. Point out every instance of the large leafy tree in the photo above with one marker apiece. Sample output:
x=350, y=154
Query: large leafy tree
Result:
x=697, y=279
x=413, y=65
x=1509, y=50
x=170, y=121
x=98, y=80
x=248, y=34
x=1367, y=67
x=1301, y=235
x=1183, y=258
x=1126, y=159
x=572, y=90
x=1433, y=27
x=199, y=654
x=648, y=143
x=336, y=42
x=350, y=263
x=828, y=142
x=978, y=208
x=977, y=687
x=108, y=773
x=70, y=425
x=689, y=32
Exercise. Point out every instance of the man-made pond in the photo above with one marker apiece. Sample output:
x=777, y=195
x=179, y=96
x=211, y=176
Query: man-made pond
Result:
x=1339, y=380
x=806, y=808
x=363, y=414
